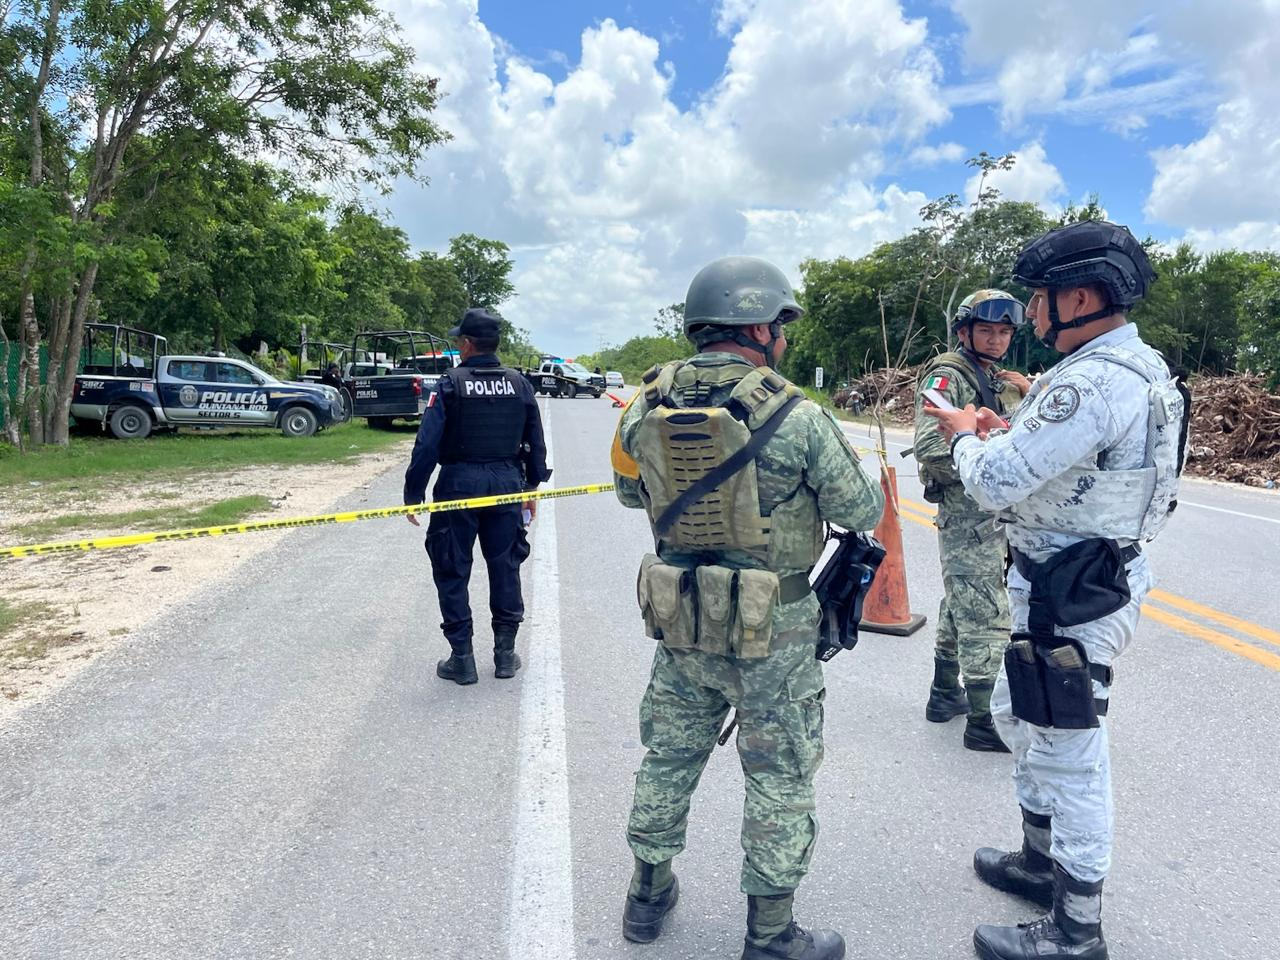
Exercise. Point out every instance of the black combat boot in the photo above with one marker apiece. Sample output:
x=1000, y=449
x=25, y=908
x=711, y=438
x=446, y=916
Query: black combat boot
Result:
x=772, y=934
x=979, y=730
x=460, y=666
x=1072, y=931
x=946, y=696
x=1026, y=873
x=505, y=659
x=653, y=894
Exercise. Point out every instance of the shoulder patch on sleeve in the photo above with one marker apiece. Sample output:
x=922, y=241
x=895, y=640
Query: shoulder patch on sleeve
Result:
x=1059, y=404
x=937, y=381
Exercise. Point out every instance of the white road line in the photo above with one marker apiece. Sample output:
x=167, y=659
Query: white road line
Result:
x=1234, y=513
x=540, y=921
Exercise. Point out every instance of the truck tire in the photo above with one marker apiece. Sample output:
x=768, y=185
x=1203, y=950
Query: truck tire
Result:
x=298, y=422
x=130, y=422
x=571, y=391
x=380, y=423
x=347, y=404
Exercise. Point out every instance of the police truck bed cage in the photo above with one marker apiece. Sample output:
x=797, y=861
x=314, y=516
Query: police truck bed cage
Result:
x=394, y=371
x=110, y=350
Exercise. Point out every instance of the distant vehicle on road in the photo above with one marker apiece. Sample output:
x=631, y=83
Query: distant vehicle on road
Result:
x=563, y=378
x=131, y=387
x=612, y=378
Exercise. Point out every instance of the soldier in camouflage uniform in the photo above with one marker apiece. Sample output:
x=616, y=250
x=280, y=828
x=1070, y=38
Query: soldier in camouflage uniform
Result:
x=973, y=619
x=728, y=597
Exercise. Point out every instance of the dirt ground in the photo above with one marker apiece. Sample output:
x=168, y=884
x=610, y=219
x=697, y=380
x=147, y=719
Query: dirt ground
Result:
x=75, y=607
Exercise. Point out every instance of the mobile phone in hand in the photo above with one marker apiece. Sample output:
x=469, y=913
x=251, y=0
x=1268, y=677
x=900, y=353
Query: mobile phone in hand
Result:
x=938, y=400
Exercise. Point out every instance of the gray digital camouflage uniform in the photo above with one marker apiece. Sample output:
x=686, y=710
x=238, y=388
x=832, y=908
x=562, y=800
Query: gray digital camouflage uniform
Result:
x=973, y=618
x=778, y=697
x=1084, y=406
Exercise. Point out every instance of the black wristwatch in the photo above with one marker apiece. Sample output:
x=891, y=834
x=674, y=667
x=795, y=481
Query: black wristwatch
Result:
x=954, y=439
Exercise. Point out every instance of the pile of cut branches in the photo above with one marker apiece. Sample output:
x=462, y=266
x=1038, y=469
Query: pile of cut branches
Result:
x=1235, y=430
x=892, y=386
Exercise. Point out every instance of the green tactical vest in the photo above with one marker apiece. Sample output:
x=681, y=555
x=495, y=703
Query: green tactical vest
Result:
x=952, y=360
x=681, y=438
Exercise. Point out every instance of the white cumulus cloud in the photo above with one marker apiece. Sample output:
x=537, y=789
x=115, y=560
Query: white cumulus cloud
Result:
x=612, y=196
x=1227, y=183
x=1032, y=179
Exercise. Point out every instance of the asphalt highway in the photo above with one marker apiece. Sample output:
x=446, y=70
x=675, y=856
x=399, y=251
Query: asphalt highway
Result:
x=273, y=770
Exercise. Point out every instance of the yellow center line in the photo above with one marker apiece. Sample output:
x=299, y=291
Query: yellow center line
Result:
x=907, y=511
x=922, y=514
x=922, y=507
x=1239, y=647
x=1226, y=619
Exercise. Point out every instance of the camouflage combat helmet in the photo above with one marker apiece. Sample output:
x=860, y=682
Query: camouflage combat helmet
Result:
x=1091, y=252
x=987, y=306
x=738, y=292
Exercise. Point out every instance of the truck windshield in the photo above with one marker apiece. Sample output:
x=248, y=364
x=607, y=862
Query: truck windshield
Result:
x=574, y=368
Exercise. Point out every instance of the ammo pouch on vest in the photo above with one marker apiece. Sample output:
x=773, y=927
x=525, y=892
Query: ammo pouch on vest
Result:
x=711, y=608
x=1050, y=677
x=932, y=488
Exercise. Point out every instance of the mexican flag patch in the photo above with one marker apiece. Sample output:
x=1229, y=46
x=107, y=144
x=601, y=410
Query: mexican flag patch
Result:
x=937, y=382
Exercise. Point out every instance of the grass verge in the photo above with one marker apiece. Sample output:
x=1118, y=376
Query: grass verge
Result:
x=170, y=518
x=187, y=451
x=15, y=616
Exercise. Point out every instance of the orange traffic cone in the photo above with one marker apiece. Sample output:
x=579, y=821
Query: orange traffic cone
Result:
x=887, y=608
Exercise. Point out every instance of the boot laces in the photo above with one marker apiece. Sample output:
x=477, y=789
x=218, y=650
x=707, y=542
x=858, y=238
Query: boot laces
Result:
x=1045, y=928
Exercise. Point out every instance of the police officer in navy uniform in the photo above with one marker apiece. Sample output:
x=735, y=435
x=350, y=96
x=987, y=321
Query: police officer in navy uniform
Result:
x=482, y=426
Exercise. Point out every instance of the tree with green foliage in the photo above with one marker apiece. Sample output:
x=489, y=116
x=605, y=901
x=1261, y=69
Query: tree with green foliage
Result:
x=484, y=267
x=433, y=297
x=669, y=322
x=372, y=264
x=326, y=84
x=1259, y=316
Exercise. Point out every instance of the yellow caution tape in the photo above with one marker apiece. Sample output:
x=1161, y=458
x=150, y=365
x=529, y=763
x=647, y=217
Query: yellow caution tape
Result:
x=137, y=539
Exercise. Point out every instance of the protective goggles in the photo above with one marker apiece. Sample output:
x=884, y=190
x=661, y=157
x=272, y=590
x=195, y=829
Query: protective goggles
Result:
x=996, y=310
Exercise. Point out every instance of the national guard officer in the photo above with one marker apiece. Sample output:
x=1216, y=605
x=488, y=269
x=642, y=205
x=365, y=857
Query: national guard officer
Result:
x=973, y=619
x=1086, y=472
x=737, y=472
x=482, y=426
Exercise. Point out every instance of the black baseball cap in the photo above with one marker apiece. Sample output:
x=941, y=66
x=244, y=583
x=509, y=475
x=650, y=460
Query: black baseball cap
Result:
x=477, y=323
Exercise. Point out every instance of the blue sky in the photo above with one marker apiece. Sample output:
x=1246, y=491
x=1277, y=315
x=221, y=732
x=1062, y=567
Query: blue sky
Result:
x=618, y=146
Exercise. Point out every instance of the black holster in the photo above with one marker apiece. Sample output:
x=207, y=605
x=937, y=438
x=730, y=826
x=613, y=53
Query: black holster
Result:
x=1050, y=676
x=841, y=586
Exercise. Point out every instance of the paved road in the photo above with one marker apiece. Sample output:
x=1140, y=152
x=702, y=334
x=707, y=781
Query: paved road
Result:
x=274, y=770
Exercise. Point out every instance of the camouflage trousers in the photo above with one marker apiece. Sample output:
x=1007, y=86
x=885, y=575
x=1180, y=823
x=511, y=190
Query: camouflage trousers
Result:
x=973, y=618
x=779, y=703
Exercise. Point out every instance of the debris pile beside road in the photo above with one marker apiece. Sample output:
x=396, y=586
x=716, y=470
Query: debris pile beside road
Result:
x=1235, y=430
x=895, y=384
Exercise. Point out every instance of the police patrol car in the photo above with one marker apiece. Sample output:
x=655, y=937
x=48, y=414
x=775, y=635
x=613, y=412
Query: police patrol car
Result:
x=130, y=387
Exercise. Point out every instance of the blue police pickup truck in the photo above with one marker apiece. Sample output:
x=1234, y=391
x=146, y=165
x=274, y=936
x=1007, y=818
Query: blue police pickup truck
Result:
x=393, y=373
x=129, y=386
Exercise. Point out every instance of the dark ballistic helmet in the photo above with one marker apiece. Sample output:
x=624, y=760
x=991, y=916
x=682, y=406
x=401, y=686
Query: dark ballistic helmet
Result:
x=739, y=292
x=1086, y=253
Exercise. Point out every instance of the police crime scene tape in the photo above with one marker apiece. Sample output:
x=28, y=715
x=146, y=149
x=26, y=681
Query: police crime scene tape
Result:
x=137, y=539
